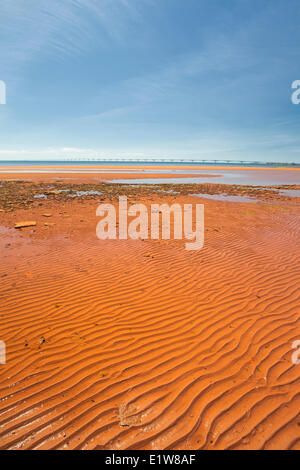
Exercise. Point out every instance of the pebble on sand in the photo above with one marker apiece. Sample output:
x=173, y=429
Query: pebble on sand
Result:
x=25, y=224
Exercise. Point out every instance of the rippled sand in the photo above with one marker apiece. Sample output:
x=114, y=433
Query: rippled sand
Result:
x=144, y=345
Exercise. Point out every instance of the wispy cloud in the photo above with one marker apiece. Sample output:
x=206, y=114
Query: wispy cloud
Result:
x=110, y=113
x=61, y=28
x=221, y=66
x=70, y=153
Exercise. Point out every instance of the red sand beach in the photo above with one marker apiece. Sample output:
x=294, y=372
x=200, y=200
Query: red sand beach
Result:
x=131, y=344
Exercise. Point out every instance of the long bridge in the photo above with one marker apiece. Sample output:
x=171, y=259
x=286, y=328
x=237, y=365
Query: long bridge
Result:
x=170, y=160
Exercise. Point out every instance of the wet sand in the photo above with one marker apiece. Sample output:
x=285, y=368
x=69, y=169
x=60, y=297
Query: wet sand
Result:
x=142, y=344
x=259, y=176
x=87, y=177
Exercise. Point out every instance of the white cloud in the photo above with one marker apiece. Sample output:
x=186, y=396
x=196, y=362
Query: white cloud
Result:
x=219, y=145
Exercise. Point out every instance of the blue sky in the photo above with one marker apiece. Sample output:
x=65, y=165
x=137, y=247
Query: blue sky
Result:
x=164, y=78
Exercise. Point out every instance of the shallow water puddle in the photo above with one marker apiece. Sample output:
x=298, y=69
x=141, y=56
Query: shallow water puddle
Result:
x=290, y=192
x=227, y=197
x=85, y=193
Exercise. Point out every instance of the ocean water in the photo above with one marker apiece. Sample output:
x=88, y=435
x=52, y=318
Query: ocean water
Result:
x=227, y=175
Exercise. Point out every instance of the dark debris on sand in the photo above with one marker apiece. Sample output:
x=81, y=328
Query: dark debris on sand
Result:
x=25, y=194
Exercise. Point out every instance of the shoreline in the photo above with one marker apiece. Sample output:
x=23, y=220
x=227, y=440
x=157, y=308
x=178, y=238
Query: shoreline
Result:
x=253, y=176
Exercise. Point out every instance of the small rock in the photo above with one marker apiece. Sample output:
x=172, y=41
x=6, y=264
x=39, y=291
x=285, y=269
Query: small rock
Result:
x=25, y=224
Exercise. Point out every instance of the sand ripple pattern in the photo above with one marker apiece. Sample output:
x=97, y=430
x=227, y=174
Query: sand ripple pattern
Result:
x=142, y=345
